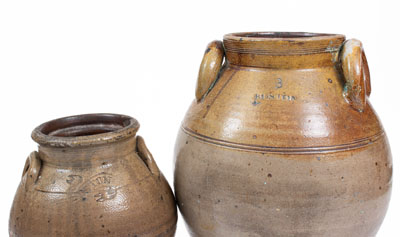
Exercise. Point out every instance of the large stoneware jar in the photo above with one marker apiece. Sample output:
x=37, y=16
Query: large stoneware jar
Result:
x=281, y=140
x=92, y=176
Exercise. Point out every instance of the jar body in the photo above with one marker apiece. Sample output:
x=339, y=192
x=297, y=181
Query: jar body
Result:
x=279, y=151
x=99, y=190
x=234, y=192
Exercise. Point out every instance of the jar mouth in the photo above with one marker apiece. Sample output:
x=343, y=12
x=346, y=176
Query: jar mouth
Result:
x=85, y=130
x=280, y=44
x=268, y=36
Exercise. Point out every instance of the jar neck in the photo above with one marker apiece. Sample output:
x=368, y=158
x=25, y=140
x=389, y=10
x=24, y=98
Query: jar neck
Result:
x=282, y=49
x=86, y=140
x=87, y=156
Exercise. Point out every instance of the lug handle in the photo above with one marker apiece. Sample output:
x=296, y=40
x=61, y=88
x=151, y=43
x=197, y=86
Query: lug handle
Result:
x=146, y=156
x=209, y=68
x=356, y=74
x=31, y=170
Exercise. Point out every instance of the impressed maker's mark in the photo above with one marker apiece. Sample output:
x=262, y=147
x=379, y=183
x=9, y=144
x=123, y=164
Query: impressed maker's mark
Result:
x=258, y=98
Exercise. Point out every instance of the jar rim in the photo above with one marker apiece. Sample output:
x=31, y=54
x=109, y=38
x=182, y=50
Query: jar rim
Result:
x=279, y=36
x=85, y=130
x=282, y=43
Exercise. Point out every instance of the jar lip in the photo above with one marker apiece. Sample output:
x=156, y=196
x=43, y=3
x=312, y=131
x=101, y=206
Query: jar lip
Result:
x=281, y=36
x=281, y=49
x=85, y=130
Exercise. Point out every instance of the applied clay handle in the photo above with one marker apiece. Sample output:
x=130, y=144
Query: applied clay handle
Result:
x=31, y=170
x=146, y=156
x=356, y=74
x=209, y=68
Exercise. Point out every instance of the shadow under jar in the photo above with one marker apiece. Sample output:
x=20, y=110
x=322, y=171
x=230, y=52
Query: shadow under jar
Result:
x=281, y=140
x=92, y=176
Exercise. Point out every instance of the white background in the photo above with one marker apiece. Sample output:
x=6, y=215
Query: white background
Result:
x=141, y=58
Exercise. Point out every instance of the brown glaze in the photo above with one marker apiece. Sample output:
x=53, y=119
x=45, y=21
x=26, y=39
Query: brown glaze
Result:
x=210, y=67
x=285, y=142
x=92, y=176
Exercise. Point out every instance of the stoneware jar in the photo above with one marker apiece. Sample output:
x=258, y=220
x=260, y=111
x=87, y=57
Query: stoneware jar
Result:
x=92, y=176
x=281, y=140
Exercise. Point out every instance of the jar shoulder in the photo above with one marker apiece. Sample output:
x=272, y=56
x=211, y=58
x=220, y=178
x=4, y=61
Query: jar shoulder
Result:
x=281, y=108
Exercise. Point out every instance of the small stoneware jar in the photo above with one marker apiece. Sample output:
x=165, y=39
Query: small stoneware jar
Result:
x=92, y=176
x=281, y=140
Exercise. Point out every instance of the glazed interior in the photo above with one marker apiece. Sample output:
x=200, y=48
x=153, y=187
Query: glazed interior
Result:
x=84, y=125
x=85, y=129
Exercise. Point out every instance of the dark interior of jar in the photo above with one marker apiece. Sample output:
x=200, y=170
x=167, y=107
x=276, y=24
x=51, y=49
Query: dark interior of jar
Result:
x=279, y=34
x=85, y=125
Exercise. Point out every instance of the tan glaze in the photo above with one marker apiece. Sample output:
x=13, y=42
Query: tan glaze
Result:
x=92, y=176
x=285, y=142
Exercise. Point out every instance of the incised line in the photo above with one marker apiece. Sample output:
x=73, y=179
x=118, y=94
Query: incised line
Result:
x=296, y=150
